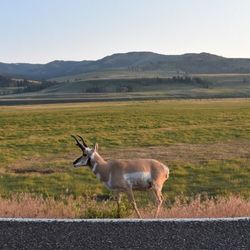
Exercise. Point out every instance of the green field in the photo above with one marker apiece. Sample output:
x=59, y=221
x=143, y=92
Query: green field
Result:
x=205, y=143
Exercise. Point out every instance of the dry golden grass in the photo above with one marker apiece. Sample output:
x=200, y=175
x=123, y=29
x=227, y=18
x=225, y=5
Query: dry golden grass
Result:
x=232, y=206
x=28, y=206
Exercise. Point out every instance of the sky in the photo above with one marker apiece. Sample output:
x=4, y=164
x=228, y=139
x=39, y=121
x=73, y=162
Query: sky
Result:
x=40, y=31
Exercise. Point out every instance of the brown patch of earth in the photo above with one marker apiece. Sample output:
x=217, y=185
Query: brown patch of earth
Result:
x=190, y=153
x=186, y=153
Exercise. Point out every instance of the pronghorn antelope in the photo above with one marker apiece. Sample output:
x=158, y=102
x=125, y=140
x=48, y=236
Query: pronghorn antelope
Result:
x=124, y=175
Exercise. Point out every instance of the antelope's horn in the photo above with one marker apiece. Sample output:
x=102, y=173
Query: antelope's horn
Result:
x=83, y=142
x=78, y=143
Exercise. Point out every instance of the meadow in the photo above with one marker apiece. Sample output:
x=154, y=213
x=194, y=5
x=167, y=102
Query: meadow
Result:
x=205, y=143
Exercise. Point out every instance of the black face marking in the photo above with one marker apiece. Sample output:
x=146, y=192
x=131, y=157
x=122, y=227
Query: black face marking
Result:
x=77, y=160
x=85, y=156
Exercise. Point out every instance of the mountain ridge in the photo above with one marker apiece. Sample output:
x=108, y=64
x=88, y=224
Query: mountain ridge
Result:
x=143, y=61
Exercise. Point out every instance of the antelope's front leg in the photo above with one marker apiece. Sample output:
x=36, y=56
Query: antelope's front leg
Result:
x=131, y=198
x=118, y=201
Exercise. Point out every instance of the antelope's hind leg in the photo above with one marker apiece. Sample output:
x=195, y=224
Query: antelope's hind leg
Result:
x=159, y=199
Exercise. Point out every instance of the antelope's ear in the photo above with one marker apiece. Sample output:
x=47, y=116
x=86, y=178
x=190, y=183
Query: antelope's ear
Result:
x=96, y=147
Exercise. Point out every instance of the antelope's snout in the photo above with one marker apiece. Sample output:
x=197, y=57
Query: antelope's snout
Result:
x=75, y=163
x=81, y=161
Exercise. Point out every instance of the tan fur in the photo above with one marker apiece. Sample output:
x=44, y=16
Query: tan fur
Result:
x=128, y=175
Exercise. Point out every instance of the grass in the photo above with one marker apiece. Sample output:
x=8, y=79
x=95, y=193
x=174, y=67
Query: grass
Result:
x=69, y=207
x=205, y=143
x=200, y=207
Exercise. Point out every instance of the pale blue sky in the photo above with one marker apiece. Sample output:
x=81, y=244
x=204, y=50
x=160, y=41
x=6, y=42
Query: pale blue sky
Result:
x=40, y=31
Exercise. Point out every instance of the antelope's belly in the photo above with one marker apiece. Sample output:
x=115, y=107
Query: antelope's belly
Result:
x=113, y=185
x=138, y=180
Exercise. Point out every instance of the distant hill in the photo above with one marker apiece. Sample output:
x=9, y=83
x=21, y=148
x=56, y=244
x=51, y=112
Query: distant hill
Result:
x=144, y=62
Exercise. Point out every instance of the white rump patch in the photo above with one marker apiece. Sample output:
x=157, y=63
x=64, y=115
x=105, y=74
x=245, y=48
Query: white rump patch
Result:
x=140, y=179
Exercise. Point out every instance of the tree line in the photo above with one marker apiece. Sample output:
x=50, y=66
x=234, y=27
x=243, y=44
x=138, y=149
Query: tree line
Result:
x=15, y=86
x=130, y=85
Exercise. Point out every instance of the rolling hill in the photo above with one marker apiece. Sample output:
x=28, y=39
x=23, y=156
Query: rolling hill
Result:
x=133, y=75
x=130, y=63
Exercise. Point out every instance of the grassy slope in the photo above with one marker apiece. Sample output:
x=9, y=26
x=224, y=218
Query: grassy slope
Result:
x=205, y=144
x=224, y=85
x=116, y=74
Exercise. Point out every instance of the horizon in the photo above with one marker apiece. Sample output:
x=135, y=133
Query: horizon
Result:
x=45, y=31
x=197, y=53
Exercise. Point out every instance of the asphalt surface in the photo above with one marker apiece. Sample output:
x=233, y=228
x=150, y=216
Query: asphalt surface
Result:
x=125, y=234
x=29, y=101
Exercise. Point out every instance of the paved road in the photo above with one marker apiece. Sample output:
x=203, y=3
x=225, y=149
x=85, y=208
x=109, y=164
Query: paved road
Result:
x=29, y=101
x=125, y=234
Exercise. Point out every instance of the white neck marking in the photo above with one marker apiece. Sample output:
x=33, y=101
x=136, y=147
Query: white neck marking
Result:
x=92, y=157
x=94, y=168
x=109, y=182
